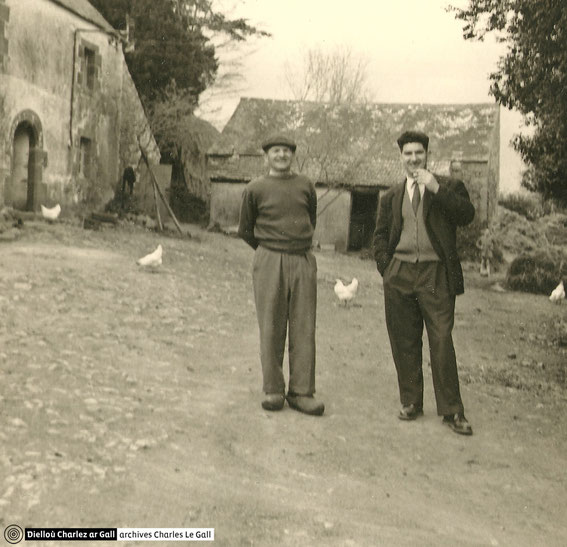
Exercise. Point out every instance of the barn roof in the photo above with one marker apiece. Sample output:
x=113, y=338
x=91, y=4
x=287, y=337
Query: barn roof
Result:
x=85, y=10
x=353, y=145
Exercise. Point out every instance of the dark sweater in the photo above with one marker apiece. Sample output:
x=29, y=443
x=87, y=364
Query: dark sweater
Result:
x=279, y=213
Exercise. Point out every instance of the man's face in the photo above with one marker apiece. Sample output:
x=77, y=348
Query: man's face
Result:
x=414, y=157
x=279, y=158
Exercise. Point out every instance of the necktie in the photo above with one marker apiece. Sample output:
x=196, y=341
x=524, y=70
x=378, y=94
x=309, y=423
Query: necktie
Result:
x=416, y=197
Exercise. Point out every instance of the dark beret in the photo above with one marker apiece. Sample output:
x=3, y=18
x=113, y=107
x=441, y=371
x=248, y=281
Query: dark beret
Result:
x=278, y=139
x=413, y=136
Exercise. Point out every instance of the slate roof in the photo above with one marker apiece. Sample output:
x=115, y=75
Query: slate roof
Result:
x=352, y=145
x=84, y=9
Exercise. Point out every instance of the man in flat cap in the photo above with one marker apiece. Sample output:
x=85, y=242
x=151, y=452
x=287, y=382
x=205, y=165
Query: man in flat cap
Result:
x=416, y=254
x=277, y=219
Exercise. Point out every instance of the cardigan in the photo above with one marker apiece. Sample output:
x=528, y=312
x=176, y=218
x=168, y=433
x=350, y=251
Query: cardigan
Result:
x=443, y=212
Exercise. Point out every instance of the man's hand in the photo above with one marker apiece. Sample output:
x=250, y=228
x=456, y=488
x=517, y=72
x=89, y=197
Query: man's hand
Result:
x=423, y=176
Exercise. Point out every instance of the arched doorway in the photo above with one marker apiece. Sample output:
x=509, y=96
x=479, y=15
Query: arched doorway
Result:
x=20, y=183
x=22, y=186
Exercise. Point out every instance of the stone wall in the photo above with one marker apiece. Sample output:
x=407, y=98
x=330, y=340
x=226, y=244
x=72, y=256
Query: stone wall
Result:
x=70, y=77
x=475, y=175
x=4, y=18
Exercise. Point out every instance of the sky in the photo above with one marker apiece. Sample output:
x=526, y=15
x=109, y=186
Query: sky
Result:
x=414, y=49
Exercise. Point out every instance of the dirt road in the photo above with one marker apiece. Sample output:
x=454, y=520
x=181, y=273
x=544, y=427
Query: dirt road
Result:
x=131, y=398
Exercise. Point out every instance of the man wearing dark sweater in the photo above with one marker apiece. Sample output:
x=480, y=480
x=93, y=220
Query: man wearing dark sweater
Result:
x=416, y=254
x=277, y=219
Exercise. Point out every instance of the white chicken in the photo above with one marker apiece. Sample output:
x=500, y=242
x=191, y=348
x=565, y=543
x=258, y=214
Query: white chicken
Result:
x=51, y=213
x=345, y=293
x=558, y=293
x=152, y=259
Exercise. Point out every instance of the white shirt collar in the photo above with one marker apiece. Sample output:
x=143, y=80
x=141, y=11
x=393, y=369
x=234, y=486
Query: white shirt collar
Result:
x=409, y=187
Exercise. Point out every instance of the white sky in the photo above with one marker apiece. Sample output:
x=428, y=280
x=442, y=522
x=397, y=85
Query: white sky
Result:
x=415, y=50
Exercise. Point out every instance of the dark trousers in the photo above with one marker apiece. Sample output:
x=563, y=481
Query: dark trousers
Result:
x=415, y=294
x=285, y=292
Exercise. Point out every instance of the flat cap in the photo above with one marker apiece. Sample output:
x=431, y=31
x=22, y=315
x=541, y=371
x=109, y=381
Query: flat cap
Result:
x=413, y=136
x=278, y=139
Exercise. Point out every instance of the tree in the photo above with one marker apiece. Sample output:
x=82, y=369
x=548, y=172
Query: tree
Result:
x=173, y=59
x=531, y=78
x=167, y=116
x=172, y=42
x=338, y=76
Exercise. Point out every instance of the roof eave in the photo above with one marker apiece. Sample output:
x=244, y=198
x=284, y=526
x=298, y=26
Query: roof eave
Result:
x=109, y=30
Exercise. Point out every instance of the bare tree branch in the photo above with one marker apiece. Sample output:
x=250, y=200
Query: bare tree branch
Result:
x=339, y=76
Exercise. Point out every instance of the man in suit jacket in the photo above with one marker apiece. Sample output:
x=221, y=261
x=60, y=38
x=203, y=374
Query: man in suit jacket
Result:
x=416, y=254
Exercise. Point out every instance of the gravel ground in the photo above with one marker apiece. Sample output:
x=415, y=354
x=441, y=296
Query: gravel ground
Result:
x=130, y=397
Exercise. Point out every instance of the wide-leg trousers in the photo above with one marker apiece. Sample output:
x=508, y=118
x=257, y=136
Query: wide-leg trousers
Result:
x=285, y=293
x=416, y=294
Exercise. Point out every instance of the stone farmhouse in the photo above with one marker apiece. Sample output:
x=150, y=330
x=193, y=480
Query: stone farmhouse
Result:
x=350, y=152
x=70, y=116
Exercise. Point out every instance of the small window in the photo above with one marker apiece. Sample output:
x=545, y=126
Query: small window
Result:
x=86, y=152
x=88, y=69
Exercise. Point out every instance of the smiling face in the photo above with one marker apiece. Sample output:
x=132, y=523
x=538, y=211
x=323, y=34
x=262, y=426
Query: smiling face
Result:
x=414, y=156
x=279, y=159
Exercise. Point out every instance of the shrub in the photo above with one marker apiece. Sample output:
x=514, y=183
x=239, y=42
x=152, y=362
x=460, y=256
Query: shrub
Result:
x=187, y=207
x=527, y=205
x=539, y=272
x=467, y=237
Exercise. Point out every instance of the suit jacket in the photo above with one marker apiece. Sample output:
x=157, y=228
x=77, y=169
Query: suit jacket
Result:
x=443, y=212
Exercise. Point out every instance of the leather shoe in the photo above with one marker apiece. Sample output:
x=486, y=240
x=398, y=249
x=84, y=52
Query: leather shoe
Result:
x=458, y=423
x=306, y=404
x=410, y=412
x=273, y=401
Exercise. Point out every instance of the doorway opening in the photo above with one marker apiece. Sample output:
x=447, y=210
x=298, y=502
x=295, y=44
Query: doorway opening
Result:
x=22, y=186
x=364, y=206
x=20, y=189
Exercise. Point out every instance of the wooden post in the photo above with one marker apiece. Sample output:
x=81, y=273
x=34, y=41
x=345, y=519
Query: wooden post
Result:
x=158, y=189
x=160, y=225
